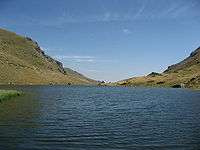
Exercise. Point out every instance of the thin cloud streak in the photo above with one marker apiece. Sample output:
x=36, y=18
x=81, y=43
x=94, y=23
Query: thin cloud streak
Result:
x=140, y=11
x=127, y=31
x=75, y=58
x=173, y=11
x=79, y=59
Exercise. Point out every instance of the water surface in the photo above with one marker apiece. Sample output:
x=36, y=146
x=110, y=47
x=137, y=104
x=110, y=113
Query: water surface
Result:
x=101, y=118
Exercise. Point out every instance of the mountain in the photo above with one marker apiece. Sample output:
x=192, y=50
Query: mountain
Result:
x=22, y=61
x=183, y=74
x=79, y=75
x=192, y=60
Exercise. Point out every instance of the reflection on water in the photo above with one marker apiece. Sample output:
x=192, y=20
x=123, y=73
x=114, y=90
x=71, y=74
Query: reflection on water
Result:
x=59, y=117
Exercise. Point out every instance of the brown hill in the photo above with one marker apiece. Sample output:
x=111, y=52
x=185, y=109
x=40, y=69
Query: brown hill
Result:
x=183, y=74
x=193, y=59
x=22, y=61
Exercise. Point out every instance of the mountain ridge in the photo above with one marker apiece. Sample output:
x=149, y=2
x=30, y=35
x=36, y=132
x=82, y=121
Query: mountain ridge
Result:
x=183, y=74
x=193, y=59
x=24, y=62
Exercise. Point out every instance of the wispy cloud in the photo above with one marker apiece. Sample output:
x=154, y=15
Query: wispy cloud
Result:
x=82, y=59
x=75, y=58
x=143, y=11
x=68, y=18
x=178, y=9
x=183, y=9
x=107, y=16
x=127, y=31
x=93, y=70
x=140, y=11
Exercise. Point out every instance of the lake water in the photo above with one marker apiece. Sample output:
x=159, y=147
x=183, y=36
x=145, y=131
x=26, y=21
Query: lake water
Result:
x=100, y=118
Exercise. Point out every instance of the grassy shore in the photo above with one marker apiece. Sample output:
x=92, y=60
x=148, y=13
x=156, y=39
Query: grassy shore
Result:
x=7, y=94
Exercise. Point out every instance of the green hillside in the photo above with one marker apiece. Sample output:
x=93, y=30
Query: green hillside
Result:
x=22, y=61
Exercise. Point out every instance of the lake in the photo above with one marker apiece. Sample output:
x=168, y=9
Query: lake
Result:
x=101, y=118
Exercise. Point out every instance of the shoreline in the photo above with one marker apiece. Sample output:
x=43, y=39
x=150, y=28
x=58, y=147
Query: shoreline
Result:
x=100, y=85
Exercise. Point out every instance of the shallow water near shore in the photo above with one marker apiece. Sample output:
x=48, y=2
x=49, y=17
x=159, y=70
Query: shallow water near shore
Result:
x=79, y=117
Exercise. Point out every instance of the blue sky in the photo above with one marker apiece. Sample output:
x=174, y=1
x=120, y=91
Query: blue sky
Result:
x=108, y=39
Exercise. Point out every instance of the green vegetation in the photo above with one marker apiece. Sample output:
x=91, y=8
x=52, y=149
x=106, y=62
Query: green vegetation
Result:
x=7, y=94
x=22, y=61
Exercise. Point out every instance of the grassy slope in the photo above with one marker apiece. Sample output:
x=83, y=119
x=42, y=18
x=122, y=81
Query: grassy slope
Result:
x=7, y=94
x=78, y=75
x=185, y=73
x=23, y=62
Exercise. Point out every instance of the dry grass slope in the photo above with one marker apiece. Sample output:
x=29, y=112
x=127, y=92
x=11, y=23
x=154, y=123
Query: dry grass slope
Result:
x=22, y=61
x=183, y=74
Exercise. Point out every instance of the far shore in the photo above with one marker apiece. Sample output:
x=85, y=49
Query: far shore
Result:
x=114, y=84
